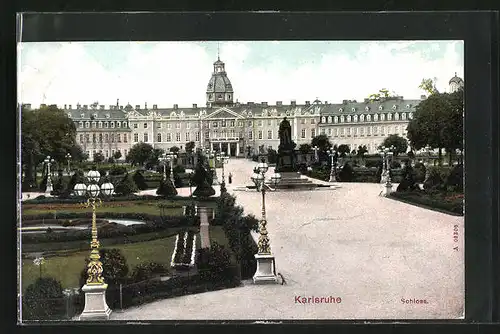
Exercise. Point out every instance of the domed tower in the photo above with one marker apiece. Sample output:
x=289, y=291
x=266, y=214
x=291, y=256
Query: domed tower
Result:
x=456, y=83
x=219, y=88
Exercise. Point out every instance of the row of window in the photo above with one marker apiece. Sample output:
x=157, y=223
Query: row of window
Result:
x=104, y=138
x=101, y=124
x=221, y=124
x=167, y=137
x=362, y=131
x=368, y=118
x=106, y=153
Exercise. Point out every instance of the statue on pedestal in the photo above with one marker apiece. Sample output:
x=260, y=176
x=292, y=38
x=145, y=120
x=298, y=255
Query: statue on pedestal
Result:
x=287, y=159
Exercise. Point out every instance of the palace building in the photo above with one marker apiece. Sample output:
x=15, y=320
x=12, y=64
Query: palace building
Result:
x=239, y=128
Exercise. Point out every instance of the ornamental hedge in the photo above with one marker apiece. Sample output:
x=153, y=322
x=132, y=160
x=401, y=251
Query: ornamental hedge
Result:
x=129, y=198
x=447, y=203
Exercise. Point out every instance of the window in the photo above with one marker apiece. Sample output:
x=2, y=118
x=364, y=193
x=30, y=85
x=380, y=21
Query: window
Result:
x=249, y=123
x=341, y=109
x=207, y=134
x=353, y=109
x=169, y=137
x=367, y=108
x=158, y=137
x=341, y=119
x=158, y=125
x=250, y=135
x=396, y=116
x=410, y=115
x=355, y=118
x=342, y=132
x=382, y=117
x=178, y=137
x=259, y=122
x=313, y=121
x=81, y=138
x=197, y=136
x=214, y=124
x=106, y=125
x=303, y=121
x=87, y=138
x=313, y=133
x=303, y=133
x=380, y=108
x=403, y=115
x=260, y=134
x=146, y=139
x=125, y=153
x=125, y=137
x=188, y=125
x=362, y=131
x=107, y=153
x=389, y=130
x=335, y=119
x=118, y=124
x=93, y=137
x=269, y=134
x=348, y=118
x=348, y=131
x=135, y=125
x=80, y=125
x=330, y=131
x=269, y=122
x=169, y=126
x=375, y=117
x=233, y=134
x=145, y=125
x=336, y=132
x=100, y=138
x=196, y=125
x=124, y=124
x=397, y=129
x=87, y=124
x=223, y=123
x=136, y=137
x=383, y=130
x=323, y=132
x=389, y=116
x=187, y=136
x=94, y=124
x=240, y=123
x=355, y=131
x=369, y=131
x=177, y=125
x=112, y=125
x=119, y=138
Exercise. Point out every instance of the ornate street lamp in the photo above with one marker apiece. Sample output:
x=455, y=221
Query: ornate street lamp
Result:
x=213, y=166
x=316, y=148
x=386, y=154
x=266, y=268
x=333, y=155
x=48, y=161
x=170, y=156
x=96, y=307
x=68, y=158
x=223, y=158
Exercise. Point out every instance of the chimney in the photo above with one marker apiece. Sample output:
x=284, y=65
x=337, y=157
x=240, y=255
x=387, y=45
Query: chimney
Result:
x=155, y=106
x=176, y=106
x=28, y=105
x=326, y=102
x=43, y=105
x=85, y=106
x=78, y=105
x=344, y=101
x=195, y=105
x=367, y=100
x=121, y=107
x=279, y=103
x=111, y=107
x=264, y=104
x=101, y=106
x=146, y=105
x=137, y=107
x=423, y=97
x=308, y=103
x=65, y=106
x=69, y=106
x=293, y=103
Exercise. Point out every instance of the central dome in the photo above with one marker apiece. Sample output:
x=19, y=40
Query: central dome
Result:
x=219, y=88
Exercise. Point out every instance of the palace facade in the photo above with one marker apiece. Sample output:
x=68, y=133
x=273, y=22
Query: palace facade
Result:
x=239, y=128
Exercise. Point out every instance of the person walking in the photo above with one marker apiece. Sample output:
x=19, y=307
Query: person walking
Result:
x=230, y=178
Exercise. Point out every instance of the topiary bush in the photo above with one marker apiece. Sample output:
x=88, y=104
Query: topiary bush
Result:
x=166, y=189
x=408, y=182
x=126, y=186
x=434, y=181
x=139, y=180
x=117, y=170
x=44, y=300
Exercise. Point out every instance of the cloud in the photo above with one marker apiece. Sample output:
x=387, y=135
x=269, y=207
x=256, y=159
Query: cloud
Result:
x=177, y=73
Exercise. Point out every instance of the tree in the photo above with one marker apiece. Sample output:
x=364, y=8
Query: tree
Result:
x=322, y=142
x=117, y=155
x=98, y=157
x=40, y=301
x=154, y=158
x=45, y=131
x=190, y=147
x=343, y=150
x=305, y=148
x=203, y=178
x=139, y=154
x=114, y=267
x=438, y=123
x=429, y=86
x=139, y=180
x=382, y=93
x=400, y=144
x=362, y=150
x=174, y=149
x=166, y=189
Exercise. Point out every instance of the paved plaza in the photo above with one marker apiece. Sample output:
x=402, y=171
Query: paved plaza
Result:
x=383, y=258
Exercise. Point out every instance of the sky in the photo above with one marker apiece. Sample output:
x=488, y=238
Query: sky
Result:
x=168, y=73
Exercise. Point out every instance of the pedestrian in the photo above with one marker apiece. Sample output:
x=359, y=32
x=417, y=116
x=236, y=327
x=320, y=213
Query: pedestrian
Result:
x=230, y=178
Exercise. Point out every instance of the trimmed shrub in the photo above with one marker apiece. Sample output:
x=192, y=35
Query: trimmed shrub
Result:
x=455, y=179
x=408, y=182
x=420, y=170
x=146, y=270
x=139, y=180
x=434, y=181
x=347, y=173
x=114, y=267
x=166, y=189
x=126, y=186
x=214, y=262
x=117, y=170
x=44, y=300
x=179, y=169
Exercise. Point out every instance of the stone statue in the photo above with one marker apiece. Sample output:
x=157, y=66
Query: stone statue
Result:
x=285, y=133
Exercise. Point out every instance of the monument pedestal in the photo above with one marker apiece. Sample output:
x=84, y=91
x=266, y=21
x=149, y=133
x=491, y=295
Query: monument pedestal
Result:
x=386, y=189
x=96, y=307
x=266, y=272
x=293, y=181
x=204, y=227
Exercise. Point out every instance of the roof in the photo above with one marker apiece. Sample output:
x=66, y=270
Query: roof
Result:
x=456, y=79
x=100, y=113
x=219, y=83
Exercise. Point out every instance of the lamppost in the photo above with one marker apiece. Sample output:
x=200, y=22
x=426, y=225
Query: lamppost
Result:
x=48, y=161
x=213, y=165
x=170, y=156
x=266, y=267
x=223, y=158
x=333, y=154
x=459, y=156
x=96, y=307
x=427, y=162
x=316, y=148
x=68, y=158
x=386, y=154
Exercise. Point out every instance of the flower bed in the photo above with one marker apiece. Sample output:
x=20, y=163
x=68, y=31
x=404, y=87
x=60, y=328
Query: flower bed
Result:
x=184, y=251
x=439, y=201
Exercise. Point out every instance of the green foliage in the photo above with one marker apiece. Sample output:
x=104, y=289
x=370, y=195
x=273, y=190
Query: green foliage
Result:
x=429, y=86
x=126, y=186
x=114, y=267
x=434, y=181
x=455, y=179
x=147, y=270
x=98, y=157
x=139, y=180
x=305, y=148
x=117, y=155
x=139, y=154
x=203, y=178
x=272, y=156
x=343, y=150
x=347, y=173
x=190, y=147
x=408, y=183
x=174, y=149
x=166, y=189
x=400, y=144
x=117, y=170
x=43, y=300
x=214, y=262
x=362, y=150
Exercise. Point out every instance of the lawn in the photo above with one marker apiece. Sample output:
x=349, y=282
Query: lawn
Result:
x=450, y=203
x=67, y=268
